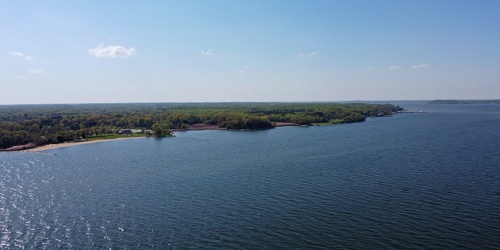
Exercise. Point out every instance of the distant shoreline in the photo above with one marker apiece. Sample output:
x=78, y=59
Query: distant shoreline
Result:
x=458, y=101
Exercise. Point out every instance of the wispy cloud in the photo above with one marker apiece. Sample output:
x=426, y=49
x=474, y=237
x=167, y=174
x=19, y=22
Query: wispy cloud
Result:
x=36, y=71
x=393, y=67
x=314, y=53
x=419, y=66
x=16, y=54
x=19, y=54
x=238, y=72
x=207, y=52
x=112, y=51
x=20, y=77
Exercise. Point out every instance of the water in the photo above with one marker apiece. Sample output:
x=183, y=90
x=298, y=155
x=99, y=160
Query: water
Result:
x=428, y=180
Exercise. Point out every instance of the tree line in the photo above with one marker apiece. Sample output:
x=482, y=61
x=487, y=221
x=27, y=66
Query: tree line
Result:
x=45, y=124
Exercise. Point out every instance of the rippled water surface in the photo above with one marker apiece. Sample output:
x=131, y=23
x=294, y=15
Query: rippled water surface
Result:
x=429, y=180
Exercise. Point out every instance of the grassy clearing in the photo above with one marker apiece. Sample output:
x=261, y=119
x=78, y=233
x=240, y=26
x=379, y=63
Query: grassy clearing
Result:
x=114, y=136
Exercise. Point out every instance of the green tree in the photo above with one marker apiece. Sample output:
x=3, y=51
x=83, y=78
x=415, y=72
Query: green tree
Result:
x=161, y=129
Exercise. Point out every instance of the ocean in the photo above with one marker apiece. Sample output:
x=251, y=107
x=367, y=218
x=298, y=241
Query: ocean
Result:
x=427, y=180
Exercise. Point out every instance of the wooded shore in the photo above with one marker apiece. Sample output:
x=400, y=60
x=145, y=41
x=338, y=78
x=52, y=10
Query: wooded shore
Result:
x=28, y=126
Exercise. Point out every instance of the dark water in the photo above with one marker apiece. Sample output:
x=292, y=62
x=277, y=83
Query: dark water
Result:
x=428, y=180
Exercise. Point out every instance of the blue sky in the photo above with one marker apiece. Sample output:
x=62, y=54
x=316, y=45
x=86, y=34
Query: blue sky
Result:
x=218, y=51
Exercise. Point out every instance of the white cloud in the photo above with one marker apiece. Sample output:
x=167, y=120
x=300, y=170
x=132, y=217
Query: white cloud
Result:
x=19, y=54
x=16, y=54
x=314, y=53
x=36, y=71
x=239, y=72
x=370, y=69
x=392, y=67
x=20, y=77
x=419, y=66
x=207, y=52
x=112, y=51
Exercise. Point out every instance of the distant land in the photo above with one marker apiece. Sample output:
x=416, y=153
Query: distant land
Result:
x=451, y=101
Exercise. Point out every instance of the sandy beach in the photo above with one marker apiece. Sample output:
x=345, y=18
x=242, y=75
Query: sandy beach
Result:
x=69, y=144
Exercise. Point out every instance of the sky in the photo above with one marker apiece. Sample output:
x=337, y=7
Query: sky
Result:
x=248, y=51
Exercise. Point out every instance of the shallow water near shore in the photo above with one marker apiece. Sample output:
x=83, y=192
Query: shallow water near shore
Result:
x=429, y=180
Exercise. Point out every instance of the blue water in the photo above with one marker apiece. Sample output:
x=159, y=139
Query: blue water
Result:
x=429, y=180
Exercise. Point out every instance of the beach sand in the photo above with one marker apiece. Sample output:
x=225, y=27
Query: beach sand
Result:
x=69, y=144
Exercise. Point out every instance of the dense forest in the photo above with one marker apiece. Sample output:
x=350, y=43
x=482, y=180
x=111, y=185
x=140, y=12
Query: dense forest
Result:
x=44, y=124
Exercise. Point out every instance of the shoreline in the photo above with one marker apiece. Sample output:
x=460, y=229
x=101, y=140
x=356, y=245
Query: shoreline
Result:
x=70, y=144
x=196, y=127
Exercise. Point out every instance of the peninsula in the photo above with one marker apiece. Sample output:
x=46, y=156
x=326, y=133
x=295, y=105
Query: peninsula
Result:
x=29, y=126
